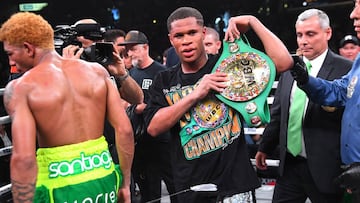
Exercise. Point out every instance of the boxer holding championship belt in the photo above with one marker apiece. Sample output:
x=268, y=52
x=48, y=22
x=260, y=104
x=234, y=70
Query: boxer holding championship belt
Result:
x=251, y=75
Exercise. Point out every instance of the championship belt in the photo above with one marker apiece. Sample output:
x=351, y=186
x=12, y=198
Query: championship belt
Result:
x=208, y=114
x=251, y=74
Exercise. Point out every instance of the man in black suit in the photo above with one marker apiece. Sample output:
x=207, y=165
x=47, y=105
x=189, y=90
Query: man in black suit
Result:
x=309, y=172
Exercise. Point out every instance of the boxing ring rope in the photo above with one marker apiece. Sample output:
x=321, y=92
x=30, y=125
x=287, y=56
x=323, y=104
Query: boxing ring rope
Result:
x=6, y=150
x=5, y=120
x=5, y=189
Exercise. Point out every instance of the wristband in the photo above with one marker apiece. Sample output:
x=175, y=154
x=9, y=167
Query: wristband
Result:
x=120, y=79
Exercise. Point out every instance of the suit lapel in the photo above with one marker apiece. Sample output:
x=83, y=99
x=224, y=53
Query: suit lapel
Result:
x=327, y=66
x=286, y=88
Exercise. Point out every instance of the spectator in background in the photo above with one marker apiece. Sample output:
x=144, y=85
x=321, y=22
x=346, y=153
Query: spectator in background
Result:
x=164, y=56
x=171, y=57
x=127, y=61
x=212, y=41
x=307, y=170
x=152, y=155
x=116, y=36
x=349, y=47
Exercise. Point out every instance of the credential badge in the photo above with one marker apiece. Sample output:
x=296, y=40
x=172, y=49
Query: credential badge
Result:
x=351, y=87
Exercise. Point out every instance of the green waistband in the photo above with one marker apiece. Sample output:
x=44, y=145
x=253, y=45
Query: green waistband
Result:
x=75, y=163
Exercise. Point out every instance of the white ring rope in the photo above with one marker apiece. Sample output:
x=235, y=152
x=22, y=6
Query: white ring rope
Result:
x=5, y=120
x=5, y=151
x=5, y=189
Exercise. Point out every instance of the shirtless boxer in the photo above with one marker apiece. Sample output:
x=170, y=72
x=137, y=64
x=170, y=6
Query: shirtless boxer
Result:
x=61, y=104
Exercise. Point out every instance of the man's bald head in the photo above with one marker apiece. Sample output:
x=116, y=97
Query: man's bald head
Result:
x=86, y=21
x=88, y=31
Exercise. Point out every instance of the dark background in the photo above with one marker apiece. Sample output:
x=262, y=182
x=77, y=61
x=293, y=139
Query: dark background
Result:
x=278, y=15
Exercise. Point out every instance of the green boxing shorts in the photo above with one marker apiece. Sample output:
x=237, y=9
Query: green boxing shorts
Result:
x=77, y=173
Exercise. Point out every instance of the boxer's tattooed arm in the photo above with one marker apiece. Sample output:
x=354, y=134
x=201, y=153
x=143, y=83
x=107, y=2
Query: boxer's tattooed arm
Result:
x=22, y=192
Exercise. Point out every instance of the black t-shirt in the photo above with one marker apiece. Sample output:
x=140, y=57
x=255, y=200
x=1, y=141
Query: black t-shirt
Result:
x=208, y=144
x=144, y=78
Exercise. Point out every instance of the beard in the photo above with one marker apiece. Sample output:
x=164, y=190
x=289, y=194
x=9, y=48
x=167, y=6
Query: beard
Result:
x=135, y=62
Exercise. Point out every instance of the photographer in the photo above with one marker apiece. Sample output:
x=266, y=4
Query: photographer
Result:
x=117, y=36
x=88, y=33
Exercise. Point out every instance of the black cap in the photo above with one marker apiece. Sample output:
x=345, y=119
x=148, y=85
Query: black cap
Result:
x=349, y=39
x=135, y=37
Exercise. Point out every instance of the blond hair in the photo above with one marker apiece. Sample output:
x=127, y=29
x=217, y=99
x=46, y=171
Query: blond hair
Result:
x=27, y=27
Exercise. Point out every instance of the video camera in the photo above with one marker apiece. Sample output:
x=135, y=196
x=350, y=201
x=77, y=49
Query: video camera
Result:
x=101, y=52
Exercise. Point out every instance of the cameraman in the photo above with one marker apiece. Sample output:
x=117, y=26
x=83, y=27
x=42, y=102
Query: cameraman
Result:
x=88, y=33
x=117, y=36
